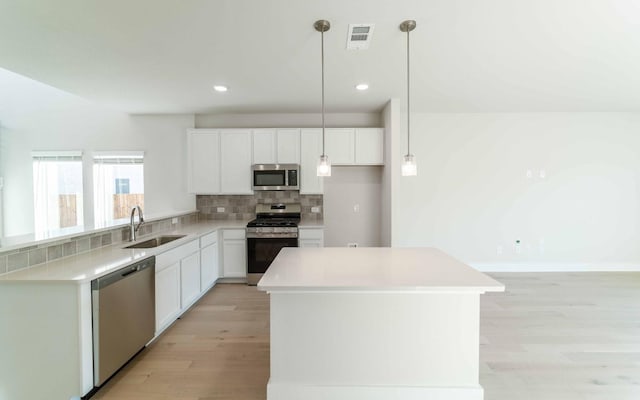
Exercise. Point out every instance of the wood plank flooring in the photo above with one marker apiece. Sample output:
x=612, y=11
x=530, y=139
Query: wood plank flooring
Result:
x=550, y=336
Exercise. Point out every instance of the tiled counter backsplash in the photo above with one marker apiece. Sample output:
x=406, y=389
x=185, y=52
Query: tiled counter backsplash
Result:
x=34, y=254
x=244, y=207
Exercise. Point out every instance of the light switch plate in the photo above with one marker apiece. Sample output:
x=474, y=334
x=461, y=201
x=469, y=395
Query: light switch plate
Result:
x=315, y=209
x=220, y=209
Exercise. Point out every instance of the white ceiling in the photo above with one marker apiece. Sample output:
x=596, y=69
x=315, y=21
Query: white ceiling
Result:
x=161, y=56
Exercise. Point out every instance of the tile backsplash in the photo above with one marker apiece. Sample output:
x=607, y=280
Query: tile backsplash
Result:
x=34, y=254
x=244, y=206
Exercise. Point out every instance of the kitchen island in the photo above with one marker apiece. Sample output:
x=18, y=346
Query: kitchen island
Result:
x=374, y=323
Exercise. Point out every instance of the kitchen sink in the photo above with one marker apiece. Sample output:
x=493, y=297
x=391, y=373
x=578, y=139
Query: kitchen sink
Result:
x=155, y=242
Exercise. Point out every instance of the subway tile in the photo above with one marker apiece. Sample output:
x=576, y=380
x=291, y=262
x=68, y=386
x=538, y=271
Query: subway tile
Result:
x=17, y=261
x=69, y=248
x=54, y=252
x=3, y=265
x=96, y=242
x=83, y=245
x=37, y=256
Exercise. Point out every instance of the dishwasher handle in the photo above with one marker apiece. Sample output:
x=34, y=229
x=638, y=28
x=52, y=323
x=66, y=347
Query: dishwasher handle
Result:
x=120, y=274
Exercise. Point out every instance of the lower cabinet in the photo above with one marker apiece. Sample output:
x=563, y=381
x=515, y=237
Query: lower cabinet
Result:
x=209, y=270
x=234, y=253
x=189, y=279
x=177, y=282
x=311, y=237
x=167, y=295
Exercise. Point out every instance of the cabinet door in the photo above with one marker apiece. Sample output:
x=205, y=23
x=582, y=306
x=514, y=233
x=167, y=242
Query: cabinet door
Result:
x=235, y=258
x=167, y=295
x=339, y=145
x=189, y=279
x=208, y=266
x=369, y=146
x=264, y=149
x=288, y=146
x=311, y=237
x=204, y=162
x=310, y=151
x=235, y=161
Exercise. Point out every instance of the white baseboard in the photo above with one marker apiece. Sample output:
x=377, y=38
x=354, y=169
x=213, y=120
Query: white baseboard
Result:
x=289, y=391
x=543, y=267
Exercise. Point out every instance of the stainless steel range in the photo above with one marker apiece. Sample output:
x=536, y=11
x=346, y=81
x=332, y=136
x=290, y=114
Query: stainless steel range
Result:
x=275, y=227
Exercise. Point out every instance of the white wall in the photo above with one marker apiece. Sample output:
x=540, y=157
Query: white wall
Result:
x=474, y=196
x=300, y=120
x=352, y=206
x=391, y=119
x=34, y=116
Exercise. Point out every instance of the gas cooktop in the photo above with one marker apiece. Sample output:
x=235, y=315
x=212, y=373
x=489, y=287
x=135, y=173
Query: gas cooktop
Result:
x=265, y=222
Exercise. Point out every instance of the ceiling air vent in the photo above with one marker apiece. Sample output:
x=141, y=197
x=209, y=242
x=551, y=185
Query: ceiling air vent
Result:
x=359, y=36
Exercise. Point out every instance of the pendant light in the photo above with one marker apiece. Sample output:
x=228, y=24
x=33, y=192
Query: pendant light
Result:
x=409, y=167
x=324, y=166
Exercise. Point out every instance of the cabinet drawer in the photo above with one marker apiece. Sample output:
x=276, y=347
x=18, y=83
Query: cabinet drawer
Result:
x=174, y=255
x=208, y=239
x=233, y=234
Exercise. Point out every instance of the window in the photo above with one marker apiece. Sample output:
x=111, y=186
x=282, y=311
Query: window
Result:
x=118, y=185
x=57, y=190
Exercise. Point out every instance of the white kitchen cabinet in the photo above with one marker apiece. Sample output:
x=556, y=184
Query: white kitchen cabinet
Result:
x=310, y=237
x=310, y=151
x=339, y=145
x=167, y=295
x=369, y=144
x=234, y=253
x=189, y=280
x=264, y=146
x=203, y=161
x=172, y=267
x=209, y=271
x=235, y=161
x=288, y=146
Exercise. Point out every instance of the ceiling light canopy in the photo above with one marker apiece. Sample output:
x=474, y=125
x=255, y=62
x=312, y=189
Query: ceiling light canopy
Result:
x=362, y=86
x=220, y=88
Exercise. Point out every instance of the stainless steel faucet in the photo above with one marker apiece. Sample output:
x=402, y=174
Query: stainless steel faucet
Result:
x=134, y=228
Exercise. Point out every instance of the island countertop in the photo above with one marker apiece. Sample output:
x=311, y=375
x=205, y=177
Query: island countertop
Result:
x=373, y=269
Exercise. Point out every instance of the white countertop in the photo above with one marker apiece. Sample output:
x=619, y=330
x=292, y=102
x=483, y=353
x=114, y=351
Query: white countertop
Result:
x=373, y=269
x=93, y=264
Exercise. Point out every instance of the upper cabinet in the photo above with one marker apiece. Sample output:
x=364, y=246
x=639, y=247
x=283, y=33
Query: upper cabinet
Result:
x=219, y=161
x=276, y=146
x=339, y=145
x=264, y=146
x=203, y=161
x=369, y=146
x=355, y=146
x=235, y=161
x=288, y=145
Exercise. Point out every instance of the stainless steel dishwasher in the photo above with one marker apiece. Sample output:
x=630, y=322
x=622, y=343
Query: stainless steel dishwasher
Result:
x=123, y=304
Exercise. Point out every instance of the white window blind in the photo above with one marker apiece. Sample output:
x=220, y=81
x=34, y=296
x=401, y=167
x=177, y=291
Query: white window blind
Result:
x=118, y=183
x=57, y=189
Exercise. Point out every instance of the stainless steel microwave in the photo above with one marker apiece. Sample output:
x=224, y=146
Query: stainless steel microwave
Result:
x=275, y=176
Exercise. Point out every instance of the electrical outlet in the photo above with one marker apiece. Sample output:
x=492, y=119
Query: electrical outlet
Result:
x=352, y=244
x=499, y=250
x=315, y=209
x=174, y=221
x=356, y=208
x=220, y=209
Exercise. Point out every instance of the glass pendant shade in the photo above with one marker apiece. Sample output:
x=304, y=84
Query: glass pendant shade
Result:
x=409, y=167
x=324, y=166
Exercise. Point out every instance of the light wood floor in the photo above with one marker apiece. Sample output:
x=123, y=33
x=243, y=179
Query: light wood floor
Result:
x=551, y=336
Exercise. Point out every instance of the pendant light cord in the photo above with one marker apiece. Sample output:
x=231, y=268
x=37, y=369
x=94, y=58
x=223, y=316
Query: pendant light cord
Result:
x=322, y=58
x=408, y=101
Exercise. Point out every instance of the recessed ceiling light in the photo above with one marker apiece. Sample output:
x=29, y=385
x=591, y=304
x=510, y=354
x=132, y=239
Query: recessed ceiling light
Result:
x=220, y=88
x=362, y=86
